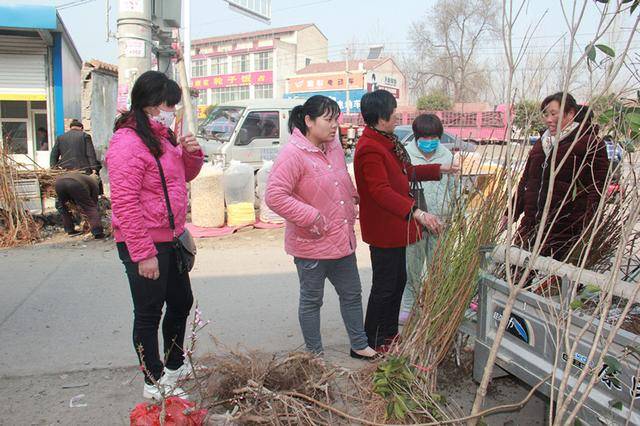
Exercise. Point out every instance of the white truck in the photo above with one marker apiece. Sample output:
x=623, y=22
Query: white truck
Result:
x=249, y=131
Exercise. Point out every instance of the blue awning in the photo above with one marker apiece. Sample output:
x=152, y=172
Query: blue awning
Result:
x=28, y=16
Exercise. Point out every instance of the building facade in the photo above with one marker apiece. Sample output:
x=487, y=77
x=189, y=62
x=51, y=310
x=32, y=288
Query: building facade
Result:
x=252, y=65
x=39, y=81
x=346, y=83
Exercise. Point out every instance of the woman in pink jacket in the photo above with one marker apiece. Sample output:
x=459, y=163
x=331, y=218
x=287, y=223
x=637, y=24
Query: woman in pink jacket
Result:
x=310, y=188
x=141, y=223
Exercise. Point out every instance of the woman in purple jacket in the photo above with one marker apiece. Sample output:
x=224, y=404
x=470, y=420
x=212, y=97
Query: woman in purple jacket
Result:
x=309, y=186
x=141, y=224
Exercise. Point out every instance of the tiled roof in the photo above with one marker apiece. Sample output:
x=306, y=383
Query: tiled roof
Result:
x=339, y=66
x=239, y=36
x=102, y=66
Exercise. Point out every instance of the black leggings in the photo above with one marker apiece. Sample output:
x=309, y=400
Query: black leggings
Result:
x=149, y=297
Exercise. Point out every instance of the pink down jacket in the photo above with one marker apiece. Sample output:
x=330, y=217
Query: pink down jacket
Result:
x=313, y=192
x=139, y=211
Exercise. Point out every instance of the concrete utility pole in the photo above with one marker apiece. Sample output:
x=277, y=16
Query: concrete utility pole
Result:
x=134, y=46
x=186, y=38
x=347, y=100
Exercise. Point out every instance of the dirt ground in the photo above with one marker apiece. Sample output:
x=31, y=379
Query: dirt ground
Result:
x=65, y=326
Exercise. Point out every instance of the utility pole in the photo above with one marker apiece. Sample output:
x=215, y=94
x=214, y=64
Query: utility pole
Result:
x=134, y=46
x=186, y=37
x=347, y=100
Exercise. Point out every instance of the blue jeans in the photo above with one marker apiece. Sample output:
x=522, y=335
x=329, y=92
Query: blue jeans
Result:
x=343, y=274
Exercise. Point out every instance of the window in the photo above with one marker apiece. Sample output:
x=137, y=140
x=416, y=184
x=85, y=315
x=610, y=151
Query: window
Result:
x=240, y=63
x=40, y=130
x=307, y=62
x=13, y=109
x=264, y=91
x=202, y=98
x=227, y=94
x=263, y=61
x=13, y=126
x=219, y=65
x=259, y=125
x=199, y=68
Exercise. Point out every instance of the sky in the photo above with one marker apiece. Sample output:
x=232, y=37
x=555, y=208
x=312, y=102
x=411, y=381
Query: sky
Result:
x=344, y=22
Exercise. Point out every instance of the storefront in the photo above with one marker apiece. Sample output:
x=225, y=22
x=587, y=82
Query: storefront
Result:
x=39, y=81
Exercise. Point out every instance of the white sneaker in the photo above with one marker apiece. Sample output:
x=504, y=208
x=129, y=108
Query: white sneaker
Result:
x=171, y=377
x=162, y=390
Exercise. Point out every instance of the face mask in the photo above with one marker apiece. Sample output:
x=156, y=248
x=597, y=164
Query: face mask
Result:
x=165, y=118
x=428, y=145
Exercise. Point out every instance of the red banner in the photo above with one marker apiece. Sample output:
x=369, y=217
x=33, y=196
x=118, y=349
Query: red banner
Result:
x=229, y=80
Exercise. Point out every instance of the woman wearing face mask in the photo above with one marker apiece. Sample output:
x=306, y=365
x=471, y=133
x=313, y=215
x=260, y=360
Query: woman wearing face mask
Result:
x=426, y=149
x=309, y=187
x=581, y=167
x=141, y=226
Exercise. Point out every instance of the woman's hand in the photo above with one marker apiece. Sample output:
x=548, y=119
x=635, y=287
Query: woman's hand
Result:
x=189, y=143
x=432, y=222
x=452, y=168
x=149, y=268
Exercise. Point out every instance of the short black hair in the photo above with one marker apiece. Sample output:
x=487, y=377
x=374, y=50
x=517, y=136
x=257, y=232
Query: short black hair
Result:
x=377, y=105
x=76, y=123
x=426, y=125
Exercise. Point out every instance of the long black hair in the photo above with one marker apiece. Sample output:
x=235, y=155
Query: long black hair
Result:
x=316, y=106
x=152, y=88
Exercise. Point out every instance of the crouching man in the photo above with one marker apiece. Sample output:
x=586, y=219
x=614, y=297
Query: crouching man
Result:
x=81, y=190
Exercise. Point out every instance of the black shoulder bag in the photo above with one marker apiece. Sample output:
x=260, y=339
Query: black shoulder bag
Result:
x=183, y=244
x=416, y=192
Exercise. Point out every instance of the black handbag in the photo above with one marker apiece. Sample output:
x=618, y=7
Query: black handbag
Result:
x=183, y=244
x=416, y=192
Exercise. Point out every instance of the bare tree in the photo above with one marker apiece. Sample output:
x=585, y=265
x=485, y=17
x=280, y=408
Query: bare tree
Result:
x=446, y=44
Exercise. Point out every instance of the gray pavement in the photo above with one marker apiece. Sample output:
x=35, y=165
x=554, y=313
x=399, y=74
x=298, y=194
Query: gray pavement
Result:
x=66, y=315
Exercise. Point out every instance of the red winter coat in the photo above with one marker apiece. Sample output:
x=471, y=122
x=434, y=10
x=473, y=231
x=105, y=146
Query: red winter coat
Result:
x=383, y=186
x=581, y=199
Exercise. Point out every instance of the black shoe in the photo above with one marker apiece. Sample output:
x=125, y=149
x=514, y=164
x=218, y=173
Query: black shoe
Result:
x=99, y=236
x=356, y=355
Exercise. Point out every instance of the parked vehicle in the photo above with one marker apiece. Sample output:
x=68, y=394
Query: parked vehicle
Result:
x=249, y=131
x=453, y=143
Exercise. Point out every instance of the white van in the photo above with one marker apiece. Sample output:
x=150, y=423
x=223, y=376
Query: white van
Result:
x=249, y=131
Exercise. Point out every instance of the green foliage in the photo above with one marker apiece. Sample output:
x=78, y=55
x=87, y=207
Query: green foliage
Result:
x=434, y=101
x=395, y=381
x=527, y=116
x=616, y=404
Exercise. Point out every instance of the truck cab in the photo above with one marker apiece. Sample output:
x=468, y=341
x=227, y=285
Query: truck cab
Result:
x=249, y=131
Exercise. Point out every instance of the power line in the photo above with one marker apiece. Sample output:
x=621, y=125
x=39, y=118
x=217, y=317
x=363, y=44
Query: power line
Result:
x=74, y=4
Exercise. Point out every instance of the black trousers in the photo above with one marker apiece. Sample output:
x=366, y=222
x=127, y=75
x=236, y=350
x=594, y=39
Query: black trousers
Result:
x=389, y=279
x=70, y=190
x=149, y=297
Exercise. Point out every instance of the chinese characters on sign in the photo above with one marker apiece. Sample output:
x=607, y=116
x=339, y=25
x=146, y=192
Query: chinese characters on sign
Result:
x=227, y=80
x=326, y=82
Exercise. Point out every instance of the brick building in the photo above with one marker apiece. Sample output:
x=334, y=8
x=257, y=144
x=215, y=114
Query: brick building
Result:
x=253, y=65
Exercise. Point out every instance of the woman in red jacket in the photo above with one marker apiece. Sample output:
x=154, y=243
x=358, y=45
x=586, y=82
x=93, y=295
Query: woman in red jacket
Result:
x=389, y=218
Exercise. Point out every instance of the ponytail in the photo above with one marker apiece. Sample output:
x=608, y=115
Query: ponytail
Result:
x=316, y=106
x=296, y=119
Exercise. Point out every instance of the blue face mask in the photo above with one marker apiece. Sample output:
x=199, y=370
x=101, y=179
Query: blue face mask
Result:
x=428, y=145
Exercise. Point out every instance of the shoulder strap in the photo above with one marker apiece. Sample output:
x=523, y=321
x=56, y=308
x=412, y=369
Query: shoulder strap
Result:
x=172, y=223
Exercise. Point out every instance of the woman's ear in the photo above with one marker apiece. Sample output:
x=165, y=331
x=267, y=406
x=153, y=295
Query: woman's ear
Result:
x=308, y=121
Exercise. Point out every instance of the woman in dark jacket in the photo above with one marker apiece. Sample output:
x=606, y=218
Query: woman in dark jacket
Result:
x=581, y=167
x=389, y=218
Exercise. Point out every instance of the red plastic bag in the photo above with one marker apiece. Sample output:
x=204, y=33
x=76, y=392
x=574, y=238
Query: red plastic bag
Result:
x=178, y=412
